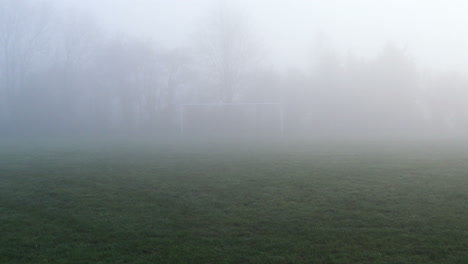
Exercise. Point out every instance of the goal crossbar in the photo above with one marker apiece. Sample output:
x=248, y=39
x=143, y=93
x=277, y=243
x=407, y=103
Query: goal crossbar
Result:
x=183, y=106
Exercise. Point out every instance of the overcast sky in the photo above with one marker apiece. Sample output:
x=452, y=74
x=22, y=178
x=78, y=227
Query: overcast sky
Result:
x=435, y=32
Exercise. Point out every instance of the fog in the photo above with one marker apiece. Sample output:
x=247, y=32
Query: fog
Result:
x=295, y=69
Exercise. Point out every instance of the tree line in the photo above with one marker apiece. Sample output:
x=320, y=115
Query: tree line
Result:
x=64, y=74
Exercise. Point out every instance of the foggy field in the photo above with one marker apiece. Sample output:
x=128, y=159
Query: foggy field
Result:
x=190, y=203
x=233, y=131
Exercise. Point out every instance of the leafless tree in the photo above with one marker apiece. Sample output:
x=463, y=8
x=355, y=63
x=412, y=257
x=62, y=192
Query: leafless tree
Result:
x=228, y=52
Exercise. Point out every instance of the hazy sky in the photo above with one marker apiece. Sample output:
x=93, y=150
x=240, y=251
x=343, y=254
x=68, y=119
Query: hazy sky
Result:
x=434, y=31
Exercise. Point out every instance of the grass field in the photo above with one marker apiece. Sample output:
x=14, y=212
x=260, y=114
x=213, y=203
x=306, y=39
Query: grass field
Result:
x=188, y=203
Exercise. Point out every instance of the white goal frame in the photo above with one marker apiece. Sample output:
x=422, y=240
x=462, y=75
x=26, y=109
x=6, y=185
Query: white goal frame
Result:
x=182, y=108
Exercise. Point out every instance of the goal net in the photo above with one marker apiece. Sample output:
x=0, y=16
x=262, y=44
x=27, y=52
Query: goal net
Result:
x=236, y=119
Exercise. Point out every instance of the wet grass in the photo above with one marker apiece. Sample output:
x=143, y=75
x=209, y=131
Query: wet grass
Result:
x=175, y=203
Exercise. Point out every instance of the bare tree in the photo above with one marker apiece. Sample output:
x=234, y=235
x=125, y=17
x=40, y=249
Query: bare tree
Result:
x=228, y=52
x=22, y=31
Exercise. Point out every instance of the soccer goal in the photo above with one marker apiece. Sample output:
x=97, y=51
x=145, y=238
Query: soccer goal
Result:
x=231, y=118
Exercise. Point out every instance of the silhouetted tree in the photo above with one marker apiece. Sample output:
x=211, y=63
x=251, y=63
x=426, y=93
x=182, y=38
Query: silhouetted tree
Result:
x=227, y=52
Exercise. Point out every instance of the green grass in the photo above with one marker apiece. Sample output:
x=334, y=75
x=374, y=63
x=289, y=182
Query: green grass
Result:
x=176, y=203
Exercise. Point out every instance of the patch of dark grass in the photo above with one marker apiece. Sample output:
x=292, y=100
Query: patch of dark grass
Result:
x=191, y=204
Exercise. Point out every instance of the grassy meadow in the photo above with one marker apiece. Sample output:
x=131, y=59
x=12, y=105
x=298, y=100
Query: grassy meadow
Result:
x=240, y=203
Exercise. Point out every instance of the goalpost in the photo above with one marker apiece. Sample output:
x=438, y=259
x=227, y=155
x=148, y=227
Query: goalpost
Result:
x=183, y=108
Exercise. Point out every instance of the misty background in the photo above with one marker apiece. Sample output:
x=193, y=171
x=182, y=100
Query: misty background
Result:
x=313, y=69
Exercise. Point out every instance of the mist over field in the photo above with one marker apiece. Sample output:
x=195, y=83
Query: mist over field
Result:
x=301, y=69
x=233, y=131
